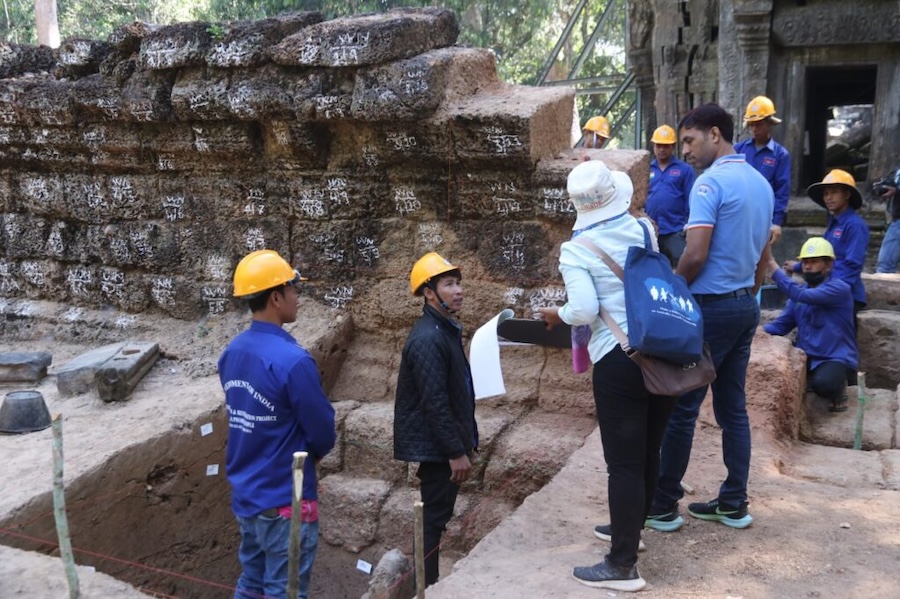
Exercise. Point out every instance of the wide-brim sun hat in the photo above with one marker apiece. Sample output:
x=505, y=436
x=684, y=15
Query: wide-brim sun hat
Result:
x=835, y=177
x=598, y=193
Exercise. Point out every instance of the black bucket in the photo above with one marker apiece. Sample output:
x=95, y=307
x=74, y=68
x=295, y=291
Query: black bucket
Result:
x=23, y=412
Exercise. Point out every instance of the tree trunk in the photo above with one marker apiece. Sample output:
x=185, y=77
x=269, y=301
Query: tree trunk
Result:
x=46, y=23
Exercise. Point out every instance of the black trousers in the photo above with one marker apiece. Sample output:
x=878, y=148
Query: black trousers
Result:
x=438, y=497
x=632, y=424
x=829, y=379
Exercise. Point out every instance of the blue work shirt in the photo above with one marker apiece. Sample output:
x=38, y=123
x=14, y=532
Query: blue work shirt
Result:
x=667, y=200
x=823, y=317
x=735, y=201
x=773, y=162
x=276, y=406
x=848, y=233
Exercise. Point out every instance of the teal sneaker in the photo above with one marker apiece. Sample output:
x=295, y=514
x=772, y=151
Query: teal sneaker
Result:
x=735, y=517
x=664, y=521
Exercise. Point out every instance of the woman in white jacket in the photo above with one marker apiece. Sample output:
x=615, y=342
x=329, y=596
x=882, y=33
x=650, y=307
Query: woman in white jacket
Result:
x=632, y=420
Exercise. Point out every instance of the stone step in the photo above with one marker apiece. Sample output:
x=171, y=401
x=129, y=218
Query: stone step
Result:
x=880, y=419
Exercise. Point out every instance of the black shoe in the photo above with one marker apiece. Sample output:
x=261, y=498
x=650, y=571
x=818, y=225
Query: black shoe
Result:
x=665, y=521
x=607, y=576
x=735, y=517
x=604, y=533
x=840, y=404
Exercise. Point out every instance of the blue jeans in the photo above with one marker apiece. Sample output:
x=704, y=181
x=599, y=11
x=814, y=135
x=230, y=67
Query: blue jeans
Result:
x=264, y=557
x=728, y=328
x=889, y=254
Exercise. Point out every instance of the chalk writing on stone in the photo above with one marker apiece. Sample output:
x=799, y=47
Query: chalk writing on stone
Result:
x=370, y=159
x=413, y=82
x=72, y=315
x=255, y=202
x=201, y=142
x=282, y=133
x=401, y=141
x=310, y=50
x=108, y=107
x=330, y=107
x=165, y=162
x=255, y=239
x=140, y=240
x=36, y=189
x=513, y=251
x=120, y=250
x=348, y=48
x=547, y=296
x=55, y=246
x=368, y=249
x=235, y=52
x=160, y=53
x=162, y=291
x=33, y=272
x=312, y=203
x=126, y=321
x=502, y=142
x=121, y=189
x=337, y=192
x=340, y=296
x=173, y=206
x=8, y=282
x=217, y=267
x=506, y=206
x=556, y=200
x=112, y=283
x=329, y=251
x=405, y=200
x=430, y=235
x=513, y=295
x=94, y=138
x=216, y=299
x=78, y=278
x=143, y=110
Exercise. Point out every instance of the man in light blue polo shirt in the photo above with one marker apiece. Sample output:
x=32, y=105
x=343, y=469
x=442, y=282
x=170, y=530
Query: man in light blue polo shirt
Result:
x=723, y=262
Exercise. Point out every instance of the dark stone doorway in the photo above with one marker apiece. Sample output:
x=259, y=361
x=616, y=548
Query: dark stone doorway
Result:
x=827, y=90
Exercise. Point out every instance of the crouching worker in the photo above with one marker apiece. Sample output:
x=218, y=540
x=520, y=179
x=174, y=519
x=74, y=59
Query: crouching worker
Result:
x=822, y=313
x=434, y=411
x=276, y=406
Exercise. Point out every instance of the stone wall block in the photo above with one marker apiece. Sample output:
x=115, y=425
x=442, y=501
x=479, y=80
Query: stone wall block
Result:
x=334, y=461
x=177, y=296
x=492, y=195
x=96, y=98
x=519, y=253
x=175, y=46
x=879, y=336
x=369, y=39
x=260, y=93
x=201, y=94
x=339, y=250
x=349, y=509
x=290, y=145
x=40, y=194
x=146, y=96
x=549, y=197
x=244, y=44
x=368, y=443
x=31, y=278
x=516, y=125
x=125, y=290
x=7, y=198
x=562, y=391
x=528, y=456
x=20, y=59
x=81, y=57
x=373, y=358
x=47, y=102
x=10, y=92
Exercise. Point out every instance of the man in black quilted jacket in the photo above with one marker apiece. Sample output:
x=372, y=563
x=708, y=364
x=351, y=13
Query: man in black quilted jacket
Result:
x=434, y=411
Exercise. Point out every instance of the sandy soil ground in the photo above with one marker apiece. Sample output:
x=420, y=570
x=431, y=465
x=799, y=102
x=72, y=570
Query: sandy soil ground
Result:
x=834, y=534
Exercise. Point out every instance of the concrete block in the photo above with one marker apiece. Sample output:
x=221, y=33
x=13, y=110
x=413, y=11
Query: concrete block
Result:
x=369, y=39
x=25, y=367
x=121, y=373
x=77, y=375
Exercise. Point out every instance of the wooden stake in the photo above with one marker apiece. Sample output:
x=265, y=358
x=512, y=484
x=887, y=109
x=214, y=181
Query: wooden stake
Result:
x=59, y=510
x=419, y=509
x=296, y=509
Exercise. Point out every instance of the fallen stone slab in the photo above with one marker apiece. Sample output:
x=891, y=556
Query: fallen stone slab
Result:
x=120, y=374
x=24, y=367
x=77, y=375
x=837, y=466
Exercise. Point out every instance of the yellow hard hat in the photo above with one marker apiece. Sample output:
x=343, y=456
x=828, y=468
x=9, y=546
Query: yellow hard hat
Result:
x=598, y=125
x=664, y=135
x=262, y=270
x=816, y=247
x=426, y=268
x=836, y=177
x=760, y=108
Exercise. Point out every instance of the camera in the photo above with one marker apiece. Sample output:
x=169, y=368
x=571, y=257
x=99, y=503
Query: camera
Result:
x=881, y=186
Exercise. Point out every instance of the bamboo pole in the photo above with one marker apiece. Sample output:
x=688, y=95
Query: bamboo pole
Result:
x=419, y=509
x=59, y=510
x=296, y=509
x=860, y=408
